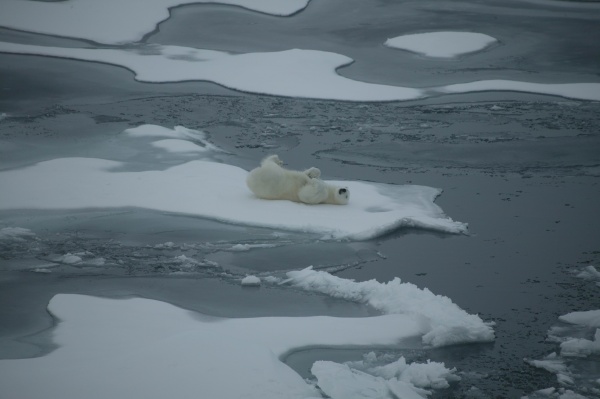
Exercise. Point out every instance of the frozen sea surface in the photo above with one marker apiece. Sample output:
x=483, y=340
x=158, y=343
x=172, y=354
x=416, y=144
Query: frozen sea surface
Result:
x=509, y=132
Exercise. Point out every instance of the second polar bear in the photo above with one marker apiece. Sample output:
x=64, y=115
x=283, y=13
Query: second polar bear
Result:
x=271, y=181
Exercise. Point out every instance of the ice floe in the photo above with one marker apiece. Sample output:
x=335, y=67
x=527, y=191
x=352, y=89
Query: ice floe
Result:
x=447, y=323
x=290, y=73
x=218, y=191
x=581, y=91
x=441, y=44
x=114, y=21
x=141, y=348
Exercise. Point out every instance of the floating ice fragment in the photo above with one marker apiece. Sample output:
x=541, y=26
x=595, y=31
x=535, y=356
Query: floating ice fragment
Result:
x=18, y=234
x=581, y=347
x=68, y=259
x=251, y=281
x=590, y=318
x=441, y=44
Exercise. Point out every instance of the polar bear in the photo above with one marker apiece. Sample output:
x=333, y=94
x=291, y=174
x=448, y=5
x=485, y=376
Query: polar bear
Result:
x=271, y=181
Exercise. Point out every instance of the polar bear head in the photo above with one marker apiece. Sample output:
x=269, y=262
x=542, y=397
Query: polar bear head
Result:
x=341, y=195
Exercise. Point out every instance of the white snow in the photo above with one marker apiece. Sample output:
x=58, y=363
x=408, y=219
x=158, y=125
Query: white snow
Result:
x=17, y=234
x=114, y=21
x=141, y=348
x=446, y=323
x=218, y=191
x=251, y=281
x=441, y=44
x=290, y=73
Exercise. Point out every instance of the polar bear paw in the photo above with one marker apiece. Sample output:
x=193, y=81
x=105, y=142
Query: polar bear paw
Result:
x=313, y=173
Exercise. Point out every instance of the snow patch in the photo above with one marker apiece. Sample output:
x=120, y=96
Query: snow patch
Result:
x=289, y=73
x=445, y=322
x=441, y=44
x=127, y=21
x=149, y=349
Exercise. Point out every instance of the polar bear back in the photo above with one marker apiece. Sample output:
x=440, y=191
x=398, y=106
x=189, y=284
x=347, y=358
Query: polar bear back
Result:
x=271, y=181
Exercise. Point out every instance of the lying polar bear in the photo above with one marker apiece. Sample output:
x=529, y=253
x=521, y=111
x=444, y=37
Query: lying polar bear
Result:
x=271, y=181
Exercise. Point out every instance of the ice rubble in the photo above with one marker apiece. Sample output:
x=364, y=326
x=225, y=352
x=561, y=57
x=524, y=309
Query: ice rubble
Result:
x=572, y=350
x=129, y=21
x=441, y=44
x=399, y=379
x=218, y=191
x=145, y=348
x=446, y=323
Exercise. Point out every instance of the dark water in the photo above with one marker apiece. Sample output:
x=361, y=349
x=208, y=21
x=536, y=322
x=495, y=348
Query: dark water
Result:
x=522, y=169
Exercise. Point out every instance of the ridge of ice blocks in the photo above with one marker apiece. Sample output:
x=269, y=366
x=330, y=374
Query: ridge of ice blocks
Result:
x=142, y=348
x=441, y=44
x=447, y=323
x=218, y=191
x=128, y=20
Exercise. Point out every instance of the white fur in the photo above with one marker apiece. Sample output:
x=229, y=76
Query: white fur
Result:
x=271, y=181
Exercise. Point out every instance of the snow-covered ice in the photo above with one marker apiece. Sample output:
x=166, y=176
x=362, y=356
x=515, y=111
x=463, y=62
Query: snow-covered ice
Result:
x=441, y=44
x=581, y=91
x=218, y=191
x=447, y=323
x=289, y=73
x=114, y=21
x=115, y=348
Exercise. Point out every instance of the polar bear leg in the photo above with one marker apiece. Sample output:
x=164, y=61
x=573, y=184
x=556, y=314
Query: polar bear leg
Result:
x=313, y=192
x=272, y=158
x=313, y=173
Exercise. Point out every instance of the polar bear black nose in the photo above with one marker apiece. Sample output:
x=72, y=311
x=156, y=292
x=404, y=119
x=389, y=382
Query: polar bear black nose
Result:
x=342, y=190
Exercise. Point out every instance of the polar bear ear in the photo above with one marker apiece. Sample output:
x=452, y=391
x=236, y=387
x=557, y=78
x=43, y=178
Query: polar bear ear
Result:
x=342, y=191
